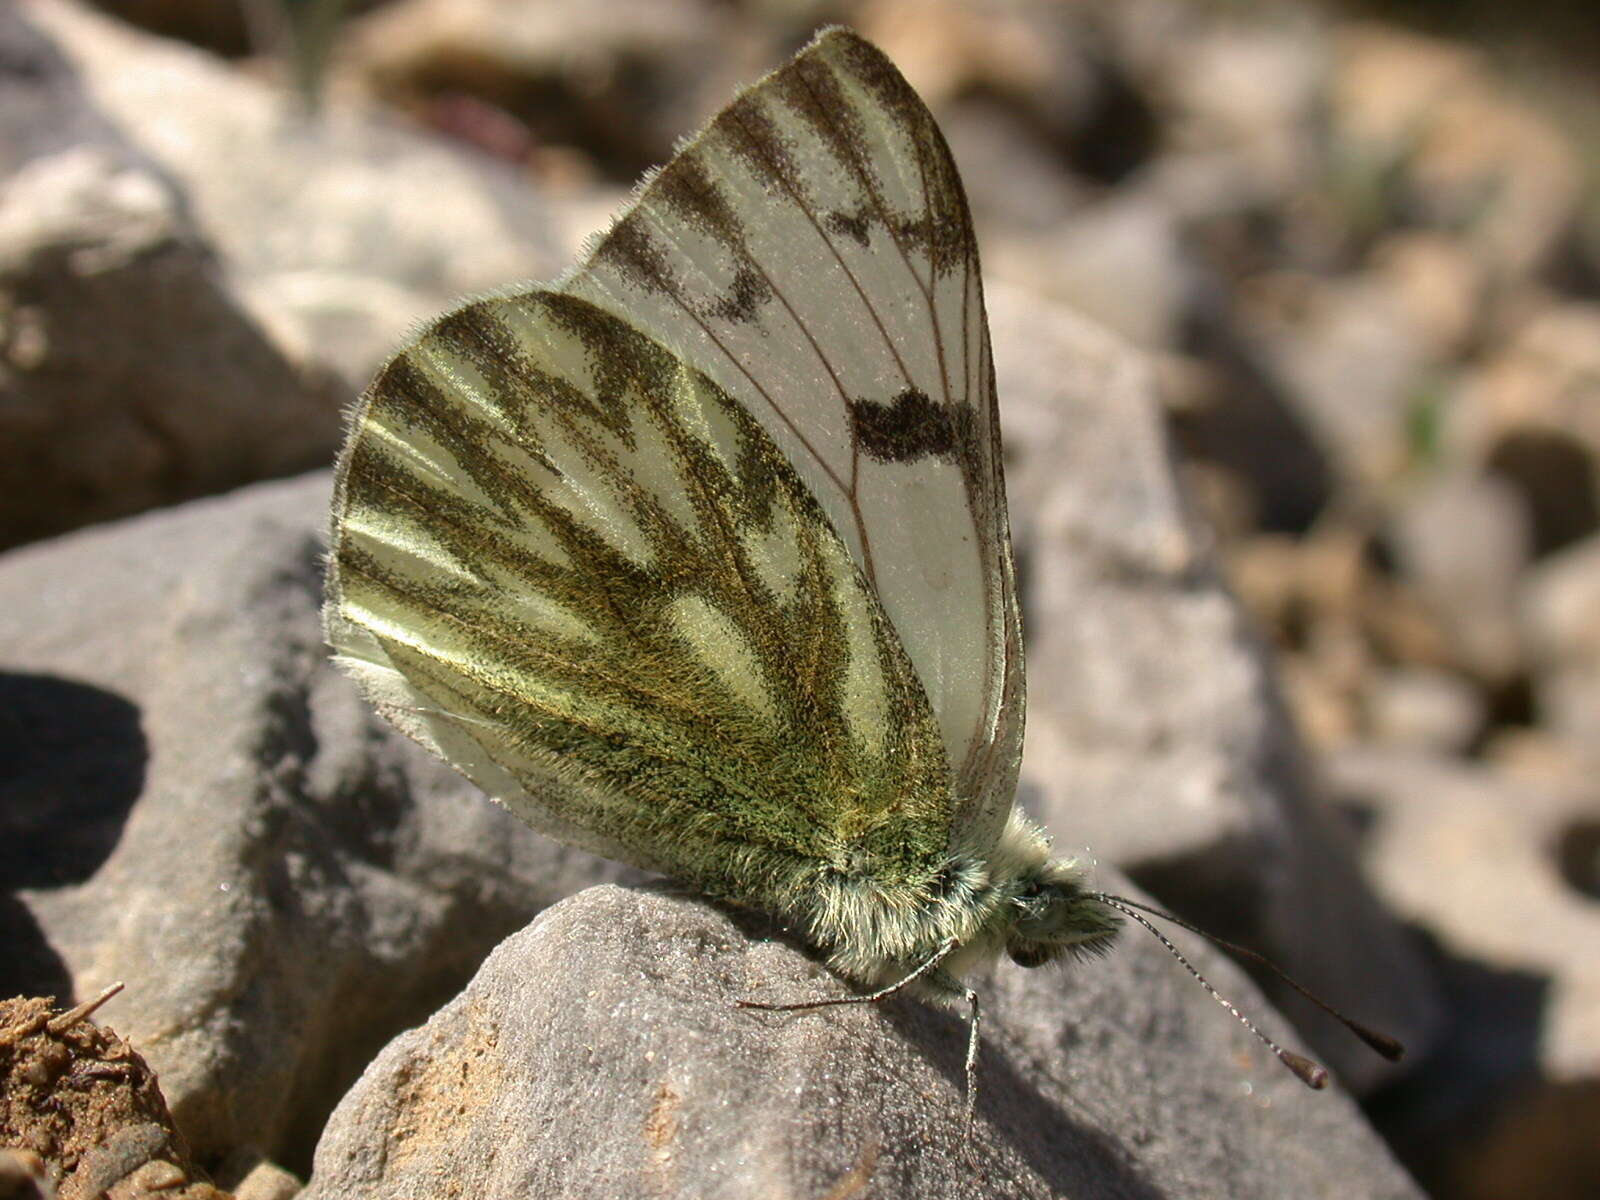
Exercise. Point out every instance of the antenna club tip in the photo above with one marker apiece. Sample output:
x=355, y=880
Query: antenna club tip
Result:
x=1313, y=1075
x=1385, y=1045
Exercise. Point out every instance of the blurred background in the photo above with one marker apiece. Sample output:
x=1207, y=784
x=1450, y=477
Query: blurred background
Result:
x=1360, y=242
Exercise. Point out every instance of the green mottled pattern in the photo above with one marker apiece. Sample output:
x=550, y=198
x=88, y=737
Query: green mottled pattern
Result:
x=573, y=566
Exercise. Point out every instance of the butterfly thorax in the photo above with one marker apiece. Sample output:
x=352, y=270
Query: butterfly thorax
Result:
x=1014, y=900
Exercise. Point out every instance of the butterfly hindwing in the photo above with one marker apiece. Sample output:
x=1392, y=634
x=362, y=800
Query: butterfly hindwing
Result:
x=572, y=566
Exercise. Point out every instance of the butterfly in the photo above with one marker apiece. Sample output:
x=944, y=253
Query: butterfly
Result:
x=698, y=558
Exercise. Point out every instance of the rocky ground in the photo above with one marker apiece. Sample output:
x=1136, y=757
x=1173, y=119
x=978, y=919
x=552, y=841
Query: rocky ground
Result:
x=1297, y=324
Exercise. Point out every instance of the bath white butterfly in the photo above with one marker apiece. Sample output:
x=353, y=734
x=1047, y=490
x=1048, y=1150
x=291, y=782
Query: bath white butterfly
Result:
x=698, y=558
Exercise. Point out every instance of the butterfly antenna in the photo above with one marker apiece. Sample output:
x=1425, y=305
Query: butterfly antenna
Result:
x=1380, y=1043
x=1312, y=1074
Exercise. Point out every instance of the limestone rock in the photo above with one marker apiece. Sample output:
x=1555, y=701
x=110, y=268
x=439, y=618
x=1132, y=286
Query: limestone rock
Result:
x=132, y=374
x=341, y=232
x=600, y=1053
x=199, y=805
x=1492, y=869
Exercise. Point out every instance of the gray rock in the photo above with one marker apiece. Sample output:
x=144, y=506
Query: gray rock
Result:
x=1424, y=709
x=198, y=804
x=1013, y=177
x=1118, y=262
x=131, y=372
x=43, y=107
x=1488, y=868
x=342, y=232
x=1156, y=736
x=620, y=81
x=1560, y=612
x=599, y=1053
x=1468, y=583
x=1531, y=415
x=1240, y=101
x=1431, y=124
x=1348, y=361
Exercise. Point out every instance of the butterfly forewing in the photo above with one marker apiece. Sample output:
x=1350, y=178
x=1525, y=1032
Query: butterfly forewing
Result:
x=811, y=251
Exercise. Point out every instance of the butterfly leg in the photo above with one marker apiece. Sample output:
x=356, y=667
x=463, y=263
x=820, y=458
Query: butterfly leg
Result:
x=943, y=981
x=927, y=968
x=940, y=981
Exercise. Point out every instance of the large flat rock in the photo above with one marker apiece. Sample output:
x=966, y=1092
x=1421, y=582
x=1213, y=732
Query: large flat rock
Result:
x=600, y=1053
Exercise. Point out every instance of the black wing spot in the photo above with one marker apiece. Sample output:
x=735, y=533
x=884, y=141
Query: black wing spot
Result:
x=744, y=298
x=909, y=427
x=854, y=226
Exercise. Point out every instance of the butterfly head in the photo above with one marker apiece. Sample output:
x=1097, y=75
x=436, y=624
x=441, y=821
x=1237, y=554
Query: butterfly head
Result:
x=1053, y=916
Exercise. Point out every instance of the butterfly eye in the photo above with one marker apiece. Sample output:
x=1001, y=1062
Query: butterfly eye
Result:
x=1029, y=955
